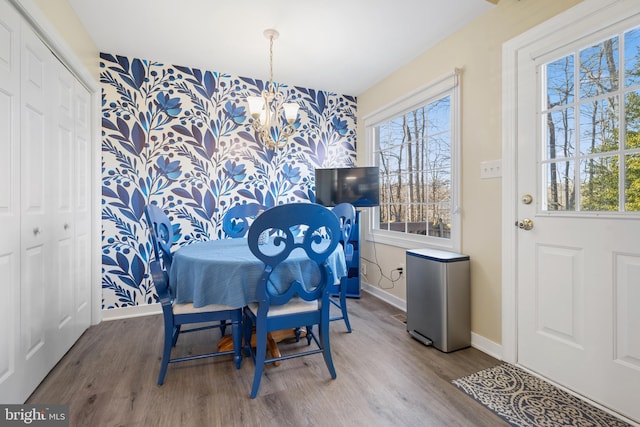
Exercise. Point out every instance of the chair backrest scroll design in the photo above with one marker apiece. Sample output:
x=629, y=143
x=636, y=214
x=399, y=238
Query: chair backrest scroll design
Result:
x=236, y=221
x=297, y=226
x=161, y=232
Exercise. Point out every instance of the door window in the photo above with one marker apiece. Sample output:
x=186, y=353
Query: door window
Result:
x=591, y=120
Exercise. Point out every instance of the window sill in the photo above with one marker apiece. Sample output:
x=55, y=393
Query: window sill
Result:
x=408, y=241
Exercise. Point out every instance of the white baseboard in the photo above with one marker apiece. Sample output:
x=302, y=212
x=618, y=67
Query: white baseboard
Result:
x=486, y=346
x=384, y=296
x=477, y=341
x=128, y=312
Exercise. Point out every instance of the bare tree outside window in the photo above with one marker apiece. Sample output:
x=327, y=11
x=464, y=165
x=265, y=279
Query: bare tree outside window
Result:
x=414, y=156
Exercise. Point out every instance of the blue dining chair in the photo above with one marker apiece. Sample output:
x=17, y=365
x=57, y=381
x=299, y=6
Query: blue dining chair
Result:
x=314, y=231
x=176, y=315
x=346, y=214
x=238, y=219
x=161, y=232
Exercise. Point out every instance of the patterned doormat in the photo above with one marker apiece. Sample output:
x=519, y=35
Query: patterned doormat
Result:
x=522, y=399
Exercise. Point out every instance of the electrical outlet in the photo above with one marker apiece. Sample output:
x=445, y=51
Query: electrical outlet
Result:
x=363, y=269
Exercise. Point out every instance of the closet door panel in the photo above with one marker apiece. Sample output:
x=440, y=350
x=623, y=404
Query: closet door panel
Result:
x=9, y=200
x=37, y=234
x=35, y=126
x=82, y=211
x=62, y=206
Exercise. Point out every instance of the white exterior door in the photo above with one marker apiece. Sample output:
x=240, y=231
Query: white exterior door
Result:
x=578, y=157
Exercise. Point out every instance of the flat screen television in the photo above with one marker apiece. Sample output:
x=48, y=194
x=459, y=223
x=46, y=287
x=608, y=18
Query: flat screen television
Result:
x=359, y=186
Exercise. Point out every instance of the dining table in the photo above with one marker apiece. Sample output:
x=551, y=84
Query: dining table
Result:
x=225, y=271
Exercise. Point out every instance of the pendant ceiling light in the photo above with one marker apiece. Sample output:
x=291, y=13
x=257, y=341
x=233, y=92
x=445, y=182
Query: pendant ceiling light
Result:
x=272, y=117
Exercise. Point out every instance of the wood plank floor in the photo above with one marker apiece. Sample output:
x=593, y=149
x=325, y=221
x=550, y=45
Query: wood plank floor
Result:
x=385, y=378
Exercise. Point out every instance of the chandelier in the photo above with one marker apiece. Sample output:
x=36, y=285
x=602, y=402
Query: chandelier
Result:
x=267, y=109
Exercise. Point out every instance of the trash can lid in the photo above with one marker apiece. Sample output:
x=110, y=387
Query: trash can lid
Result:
x=437, y=255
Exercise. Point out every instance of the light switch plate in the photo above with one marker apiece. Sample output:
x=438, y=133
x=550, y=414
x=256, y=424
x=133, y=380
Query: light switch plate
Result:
x=491, y=169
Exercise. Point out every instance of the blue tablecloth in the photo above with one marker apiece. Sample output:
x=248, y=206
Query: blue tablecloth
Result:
x=226, y=272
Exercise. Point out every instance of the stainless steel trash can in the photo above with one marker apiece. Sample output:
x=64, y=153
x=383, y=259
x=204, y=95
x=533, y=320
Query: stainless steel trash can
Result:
x=438, y=298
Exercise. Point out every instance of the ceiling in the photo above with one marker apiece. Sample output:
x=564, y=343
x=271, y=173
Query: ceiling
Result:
x=342, y=46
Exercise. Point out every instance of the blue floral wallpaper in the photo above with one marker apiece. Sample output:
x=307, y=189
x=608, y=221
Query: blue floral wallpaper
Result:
x=181, y=138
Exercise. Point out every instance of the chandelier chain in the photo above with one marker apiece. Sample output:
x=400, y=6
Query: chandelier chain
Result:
x=271, y=63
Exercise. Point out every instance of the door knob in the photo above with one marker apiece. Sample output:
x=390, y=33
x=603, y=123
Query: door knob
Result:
x=525, y=224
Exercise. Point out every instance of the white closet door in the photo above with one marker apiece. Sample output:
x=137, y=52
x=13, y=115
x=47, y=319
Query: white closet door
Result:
x=71, y=204
x=62, y=166
x=9, y=200
x=82, y=218
x=37, y=223
x=45, y=208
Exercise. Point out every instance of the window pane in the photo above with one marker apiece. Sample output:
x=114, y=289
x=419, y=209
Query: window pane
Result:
x=397, y=217
x=440, y=220
x=417, y=219
x=383, y=133
x=394, y=131
x=417, y=154
x=632, y=183
x=560, y=134
x=440, y=116
x=599, y=68
x=599, y=126
x=440, y=151
x=384, y=216
x=560, y=186
x=393, y=161
x=631, y=57
x=632, y=108
x=599, y=184
x=560, y=82
x=439, y=185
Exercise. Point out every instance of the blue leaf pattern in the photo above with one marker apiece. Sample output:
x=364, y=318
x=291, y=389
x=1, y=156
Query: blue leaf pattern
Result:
x=181, y=138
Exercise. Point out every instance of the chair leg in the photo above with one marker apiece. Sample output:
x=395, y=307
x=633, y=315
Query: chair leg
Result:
x=246, y=336
x=343, y=308
x=309, y=335
x=236, y=334
x=166, y=352
x=174, y=338
x=326, y=347
x=261, y=351
x=223, y=327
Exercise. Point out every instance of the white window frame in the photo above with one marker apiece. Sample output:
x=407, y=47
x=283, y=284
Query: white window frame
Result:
x=446, y=85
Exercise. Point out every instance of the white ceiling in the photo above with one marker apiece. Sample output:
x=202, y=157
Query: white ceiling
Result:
x=343, y=46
